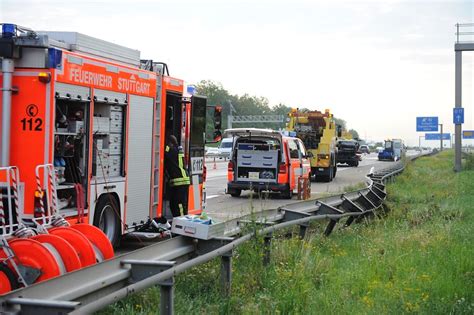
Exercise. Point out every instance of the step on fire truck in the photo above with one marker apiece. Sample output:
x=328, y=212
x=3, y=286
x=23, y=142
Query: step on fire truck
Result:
x=84, y=123
x=319, y=134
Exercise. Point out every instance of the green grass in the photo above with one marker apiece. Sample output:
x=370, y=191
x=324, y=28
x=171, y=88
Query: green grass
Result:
x=417, y=258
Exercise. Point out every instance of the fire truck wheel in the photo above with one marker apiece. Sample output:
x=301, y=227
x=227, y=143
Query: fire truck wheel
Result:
x=235, y=192
x=102, y=246
x=68, y=258
x=33, y=254
x=81, y=244
x=8, y=281
x=107, y=218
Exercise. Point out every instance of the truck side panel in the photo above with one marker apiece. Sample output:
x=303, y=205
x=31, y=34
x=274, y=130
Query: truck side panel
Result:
x=31, y=129
x=139, y=162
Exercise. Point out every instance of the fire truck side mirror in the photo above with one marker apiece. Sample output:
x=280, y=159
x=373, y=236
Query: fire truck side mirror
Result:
x=217, y=136
x=217, y=118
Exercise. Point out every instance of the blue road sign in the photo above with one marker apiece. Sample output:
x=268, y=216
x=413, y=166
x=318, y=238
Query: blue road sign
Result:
x=426, y=123
x=458, y=115
x=468, y=134
x=437, y=136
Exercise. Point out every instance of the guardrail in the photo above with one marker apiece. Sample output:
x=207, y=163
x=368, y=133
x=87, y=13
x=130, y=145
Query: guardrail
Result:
x=93, y=288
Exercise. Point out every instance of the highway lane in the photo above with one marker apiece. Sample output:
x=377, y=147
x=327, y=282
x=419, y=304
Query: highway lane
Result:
x=222, y=206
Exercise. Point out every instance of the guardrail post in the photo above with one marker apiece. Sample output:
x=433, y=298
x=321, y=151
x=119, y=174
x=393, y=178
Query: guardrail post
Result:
x=167, y=296
x=330, y=227
x=290, y=215
x=226, y=273
x=303, y=229
x=267, y=243
x=142, y=269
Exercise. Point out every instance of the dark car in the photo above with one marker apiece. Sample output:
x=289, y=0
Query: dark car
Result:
x=348, y=152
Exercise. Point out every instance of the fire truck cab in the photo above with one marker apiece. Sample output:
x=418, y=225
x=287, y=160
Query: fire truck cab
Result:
x=100, y=116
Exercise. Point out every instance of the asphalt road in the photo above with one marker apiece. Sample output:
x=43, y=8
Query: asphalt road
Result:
x=222, y=206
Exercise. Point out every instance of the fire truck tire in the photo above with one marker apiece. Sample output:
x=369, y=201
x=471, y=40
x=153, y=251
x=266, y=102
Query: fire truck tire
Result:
x=107, y=218
x=8, y=281
x=67, y=254
x=102, y=246
x=81, y=244
x=234, y=192
x=33, y=254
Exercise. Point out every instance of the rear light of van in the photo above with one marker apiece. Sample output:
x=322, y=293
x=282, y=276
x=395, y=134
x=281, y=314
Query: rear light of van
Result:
x=282, y=168
x=230, y=166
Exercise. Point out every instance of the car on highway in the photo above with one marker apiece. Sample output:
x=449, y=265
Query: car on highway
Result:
x=211, y=151
x=264, y=159
x=225, y=148
x=364, y=149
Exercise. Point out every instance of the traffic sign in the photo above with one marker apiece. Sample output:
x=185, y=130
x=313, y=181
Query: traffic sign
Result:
x=426, y=123
x=458, y=115
x=468, y=134
x=437, y=136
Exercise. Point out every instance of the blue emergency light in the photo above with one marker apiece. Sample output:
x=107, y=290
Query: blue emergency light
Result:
x=191, y=89
x=54, y=58
x=8, y=30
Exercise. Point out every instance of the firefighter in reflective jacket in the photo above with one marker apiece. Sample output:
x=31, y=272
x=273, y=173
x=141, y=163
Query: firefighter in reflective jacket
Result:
x=178, y=178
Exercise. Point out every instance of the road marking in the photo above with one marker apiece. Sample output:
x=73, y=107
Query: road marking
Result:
x=212, y=196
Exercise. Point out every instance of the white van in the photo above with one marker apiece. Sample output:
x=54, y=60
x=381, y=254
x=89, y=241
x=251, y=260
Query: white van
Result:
x=225, y=147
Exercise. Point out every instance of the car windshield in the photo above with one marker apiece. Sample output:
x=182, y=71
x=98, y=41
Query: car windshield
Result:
x=226, y=145
x=347, y=143
x=388, y=144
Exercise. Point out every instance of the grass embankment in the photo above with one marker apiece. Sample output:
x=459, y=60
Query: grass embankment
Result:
x=418, y=258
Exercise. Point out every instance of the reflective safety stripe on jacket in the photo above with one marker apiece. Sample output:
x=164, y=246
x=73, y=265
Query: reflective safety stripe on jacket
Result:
x=174, y=164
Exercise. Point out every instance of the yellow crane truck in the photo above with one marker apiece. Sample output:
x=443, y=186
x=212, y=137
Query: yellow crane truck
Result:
x=319, y=133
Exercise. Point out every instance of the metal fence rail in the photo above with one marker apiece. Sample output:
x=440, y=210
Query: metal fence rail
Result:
x=93, y=288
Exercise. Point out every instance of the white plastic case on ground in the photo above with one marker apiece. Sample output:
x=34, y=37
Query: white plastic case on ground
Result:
x=183, y=226
x=140, y=132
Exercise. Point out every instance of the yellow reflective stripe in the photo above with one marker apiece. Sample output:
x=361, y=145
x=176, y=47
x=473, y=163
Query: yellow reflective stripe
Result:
x=167, y=149
x=181, y=209
x=181, y=166
x=179, y=181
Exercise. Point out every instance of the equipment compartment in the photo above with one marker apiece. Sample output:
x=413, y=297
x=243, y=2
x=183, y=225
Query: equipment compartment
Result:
x=257, y=161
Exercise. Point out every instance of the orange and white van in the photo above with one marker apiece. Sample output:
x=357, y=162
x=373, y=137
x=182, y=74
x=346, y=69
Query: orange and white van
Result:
x=264, y=159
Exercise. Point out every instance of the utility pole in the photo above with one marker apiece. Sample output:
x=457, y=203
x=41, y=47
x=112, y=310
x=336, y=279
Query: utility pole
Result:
x=419, y=141
x=459, y=47
x=441, y=137
x=230, y=117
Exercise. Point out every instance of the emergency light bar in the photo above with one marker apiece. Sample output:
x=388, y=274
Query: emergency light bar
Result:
x=8, y=30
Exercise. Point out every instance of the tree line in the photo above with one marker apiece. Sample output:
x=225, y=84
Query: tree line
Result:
x=248, y=105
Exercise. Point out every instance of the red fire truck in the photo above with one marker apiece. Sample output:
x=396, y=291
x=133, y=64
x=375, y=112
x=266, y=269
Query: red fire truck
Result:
x=84, y=123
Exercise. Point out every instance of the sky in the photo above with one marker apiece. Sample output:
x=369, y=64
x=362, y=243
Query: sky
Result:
x=378, y=64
